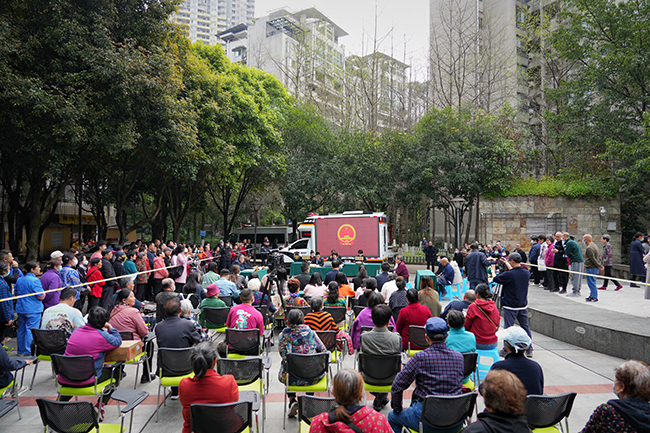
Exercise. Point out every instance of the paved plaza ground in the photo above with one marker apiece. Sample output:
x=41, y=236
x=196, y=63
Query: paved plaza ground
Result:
x=566, y=368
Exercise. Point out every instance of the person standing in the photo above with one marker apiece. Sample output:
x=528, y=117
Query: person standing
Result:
x=541, y=262
x=592, y=266
x=533, y=255
x=6, y=307
x=14, y=270
x=608, y=262
x=50, y=281
x=549, y=257
x=476, y=265
x=431, y=254
x=559, y=262
x=574, y=253
x=109, y=286
x=29, y=308
x=636, y=259
x=514, y=296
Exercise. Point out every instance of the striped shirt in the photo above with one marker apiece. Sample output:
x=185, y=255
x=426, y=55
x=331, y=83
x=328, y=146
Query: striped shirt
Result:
x=320, y=321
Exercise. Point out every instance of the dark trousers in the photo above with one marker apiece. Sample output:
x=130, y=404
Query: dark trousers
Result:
x=536, y=277
x=543, y=278
x=140, y=291
x=433, y=263
x=93, y=301
x=639, y=278
x=560, y=279
x=521, y=316
x=107, y=296
x=157, y=286
x=474, y=282
x=608, y=273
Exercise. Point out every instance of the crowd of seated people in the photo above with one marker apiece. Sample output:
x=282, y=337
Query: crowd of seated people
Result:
x=438, y=369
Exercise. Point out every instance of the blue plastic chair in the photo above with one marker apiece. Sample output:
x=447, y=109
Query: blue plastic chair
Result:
x=447, y=294
x=485, y=360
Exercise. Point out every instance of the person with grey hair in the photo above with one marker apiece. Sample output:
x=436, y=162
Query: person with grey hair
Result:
x=607, y=259
x=297, y=338
x=186, y=313
x=319, y=320
x=630, y=412
x=514, y=295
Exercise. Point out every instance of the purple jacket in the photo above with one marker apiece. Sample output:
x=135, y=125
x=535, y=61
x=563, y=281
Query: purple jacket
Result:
x=91, y=341
x=364, y=319
x=402, y=271
x=50, y=280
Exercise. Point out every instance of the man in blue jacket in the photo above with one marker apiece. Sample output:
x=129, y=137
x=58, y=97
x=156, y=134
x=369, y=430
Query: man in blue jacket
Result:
x=476, y=265
x=446, y=275
x=514, y=295
x=533, y=255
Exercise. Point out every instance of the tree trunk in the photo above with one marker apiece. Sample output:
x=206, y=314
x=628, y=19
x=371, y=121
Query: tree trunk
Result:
x=478, y=220
x=468, y=228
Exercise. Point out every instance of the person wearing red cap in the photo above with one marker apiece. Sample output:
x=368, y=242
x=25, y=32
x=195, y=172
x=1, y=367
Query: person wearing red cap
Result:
x=212, y=300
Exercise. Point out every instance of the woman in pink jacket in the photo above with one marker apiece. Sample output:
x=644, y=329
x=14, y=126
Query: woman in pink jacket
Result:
x=179, y=259
x=124, y=317
x=160, y=272
x=549, y=282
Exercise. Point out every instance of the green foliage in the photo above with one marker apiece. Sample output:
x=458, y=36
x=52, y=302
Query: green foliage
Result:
x=556, y=187
x=596, y=120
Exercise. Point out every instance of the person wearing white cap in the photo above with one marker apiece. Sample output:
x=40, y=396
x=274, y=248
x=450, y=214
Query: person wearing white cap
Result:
x=56, y=255
x=516, y=341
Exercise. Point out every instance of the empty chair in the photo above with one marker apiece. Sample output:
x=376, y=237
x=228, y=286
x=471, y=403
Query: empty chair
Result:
x=229, y=417
x=310, y=406
x=357, y=309
x=338, y=314
x=47, y=342
x=9, y=394
x=70, y=416
x=544, y=411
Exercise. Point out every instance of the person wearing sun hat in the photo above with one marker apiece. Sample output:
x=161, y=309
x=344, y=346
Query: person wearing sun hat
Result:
x=437, y=370
x=212, y=300
x=516, y=341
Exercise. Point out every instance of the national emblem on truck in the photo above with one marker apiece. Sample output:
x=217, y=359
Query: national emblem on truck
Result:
x=346, y=234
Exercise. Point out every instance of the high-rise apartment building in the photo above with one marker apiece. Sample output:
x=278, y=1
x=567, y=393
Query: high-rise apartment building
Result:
x=206, y=18
x=478, y=54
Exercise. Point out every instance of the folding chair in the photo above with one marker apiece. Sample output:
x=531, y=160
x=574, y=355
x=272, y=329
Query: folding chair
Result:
x=242, y=341
x=227, y=300
x=80, y=369
x=357, y=309
x=310, y=406
x=329, y=340
x=308, y=368
x=131, y=399
x=248, y=375
x=543, y=411
x=215, y=319
x=174, y=365
x=378, y=372
x=142, y=358
x=470, y=359
x=338, y=314
x=446, y=411
x=9, y=397
x=268, y=325
x=230, y=417
x=47, y=342
x=72, y=417
x=417, y=338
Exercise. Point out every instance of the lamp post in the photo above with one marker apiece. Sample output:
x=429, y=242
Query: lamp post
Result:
x=458, y=203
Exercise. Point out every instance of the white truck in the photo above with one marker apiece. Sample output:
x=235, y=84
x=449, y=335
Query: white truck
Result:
x=347, y=233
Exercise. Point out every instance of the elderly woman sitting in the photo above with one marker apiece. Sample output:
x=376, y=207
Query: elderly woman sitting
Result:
x=505, y=402
x=365, y=319
x=297, y=338
x=630, y=412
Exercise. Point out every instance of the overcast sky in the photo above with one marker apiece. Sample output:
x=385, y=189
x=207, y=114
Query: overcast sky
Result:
x=408, y=20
